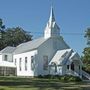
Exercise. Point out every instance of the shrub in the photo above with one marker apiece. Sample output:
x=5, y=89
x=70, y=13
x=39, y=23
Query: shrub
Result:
x=75, y=79
x=40, y=76
x=47, y=76
x=65, y=78
x=68, y=78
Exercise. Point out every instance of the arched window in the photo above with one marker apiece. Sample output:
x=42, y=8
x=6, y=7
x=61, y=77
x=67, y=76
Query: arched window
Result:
x=54, y=65
x=67, y=66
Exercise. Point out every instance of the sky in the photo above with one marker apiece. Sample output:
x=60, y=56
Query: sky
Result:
x=72, y=16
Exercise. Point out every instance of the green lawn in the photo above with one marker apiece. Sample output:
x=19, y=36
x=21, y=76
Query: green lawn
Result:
x=14, y=83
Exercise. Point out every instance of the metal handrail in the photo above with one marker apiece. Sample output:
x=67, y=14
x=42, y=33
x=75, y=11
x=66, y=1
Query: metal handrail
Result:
x=85, y=74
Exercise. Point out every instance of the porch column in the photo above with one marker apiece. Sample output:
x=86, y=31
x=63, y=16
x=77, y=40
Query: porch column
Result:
x=80, y=71
x=49, y=69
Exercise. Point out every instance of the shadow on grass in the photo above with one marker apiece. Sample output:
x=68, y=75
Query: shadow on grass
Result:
x=40, y=84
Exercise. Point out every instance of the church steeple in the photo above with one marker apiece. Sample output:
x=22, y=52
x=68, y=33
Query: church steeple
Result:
x=52, y=29
x=51, y=18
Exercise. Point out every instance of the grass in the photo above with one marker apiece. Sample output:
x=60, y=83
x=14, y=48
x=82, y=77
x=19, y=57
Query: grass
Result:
x=18, y=83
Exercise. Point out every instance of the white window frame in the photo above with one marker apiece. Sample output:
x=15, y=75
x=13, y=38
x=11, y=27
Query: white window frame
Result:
x=45, y=62
x=25, y=63
x=5, y=57
x=32, y=63
x=20, y=64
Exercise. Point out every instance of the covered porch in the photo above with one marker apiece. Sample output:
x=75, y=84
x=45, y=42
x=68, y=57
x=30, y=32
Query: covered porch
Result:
x=68, y=63
x=74, y=68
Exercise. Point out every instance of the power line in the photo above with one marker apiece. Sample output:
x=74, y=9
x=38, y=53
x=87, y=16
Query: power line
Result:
x=73, y=33
x=65, y=33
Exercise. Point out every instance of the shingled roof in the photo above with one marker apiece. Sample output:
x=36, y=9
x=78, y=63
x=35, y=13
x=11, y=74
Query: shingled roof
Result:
x=8, y=49
x=30, y=45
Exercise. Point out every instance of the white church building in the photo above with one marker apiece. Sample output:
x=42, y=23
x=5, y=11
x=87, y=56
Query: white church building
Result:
x=49, y=54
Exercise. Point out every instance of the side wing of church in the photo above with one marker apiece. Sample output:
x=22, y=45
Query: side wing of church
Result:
x=46, y=55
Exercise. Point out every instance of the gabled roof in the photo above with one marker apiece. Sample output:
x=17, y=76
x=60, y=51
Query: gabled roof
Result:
x=8, y=49
x=75, y=56
x=60, y=56
x=65, y=56
x=30, y=45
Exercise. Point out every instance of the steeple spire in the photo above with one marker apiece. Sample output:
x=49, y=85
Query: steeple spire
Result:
x=51, y=18
x=52, y=29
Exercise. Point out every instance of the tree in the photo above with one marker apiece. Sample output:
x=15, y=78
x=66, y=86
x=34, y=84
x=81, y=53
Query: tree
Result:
x=87, y=36
x=16, y=36
x=2, y=31
x=12, y=36
x=2, y=28
x=86, y=52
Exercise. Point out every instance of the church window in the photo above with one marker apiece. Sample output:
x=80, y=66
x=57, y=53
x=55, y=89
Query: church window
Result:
x=26, y=63
x=55, y=68
x=32, y=63
x=20, y=61
x=67, y=66
x=45, y=62
x=6, y=57
x=72, y=66
x=79, y=67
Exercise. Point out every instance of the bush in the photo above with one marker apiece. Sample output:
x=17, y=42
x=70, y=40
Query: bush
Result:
x=47, y=76
x=73, y=78
x=40, y=76
x=68, y=78
x=65, y=78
